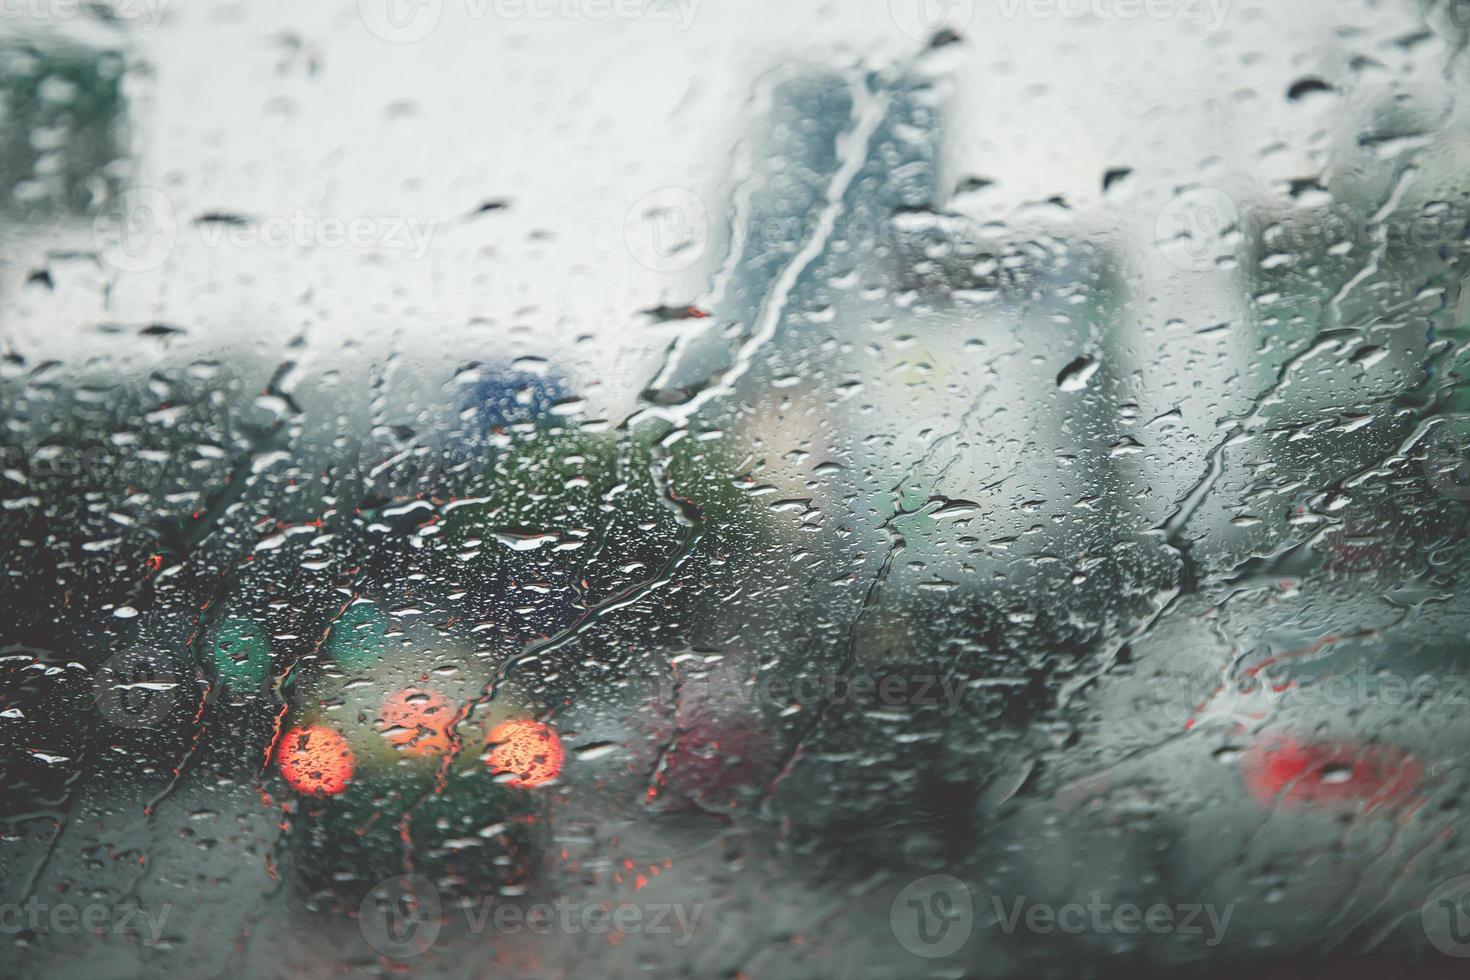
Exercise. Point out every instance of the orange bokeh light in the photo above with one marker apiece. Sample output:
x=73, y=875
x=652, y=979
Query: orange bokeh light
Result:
x=528, y=751
x=416, y=721
x=315, y=760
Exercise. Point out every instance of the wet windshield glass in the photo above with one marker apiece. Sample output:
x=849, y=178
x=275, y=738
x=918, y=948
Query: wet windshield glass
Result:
x=633, y=488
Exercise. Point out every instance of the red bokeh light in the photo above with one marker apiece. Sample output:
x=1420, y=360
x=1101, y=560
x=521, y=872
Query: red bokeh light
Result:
x=315, y=760
x=1284, y=771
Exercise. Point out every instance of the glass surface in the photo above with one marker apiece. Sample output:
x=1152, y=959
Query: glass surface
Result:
x=665, y=488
